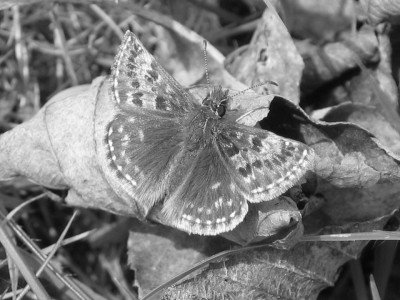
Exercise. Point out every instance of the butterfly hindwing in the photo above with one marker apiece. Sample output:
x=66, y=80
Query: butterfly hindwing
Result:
x=139, y=82
x=205, y=200
x=265, y=165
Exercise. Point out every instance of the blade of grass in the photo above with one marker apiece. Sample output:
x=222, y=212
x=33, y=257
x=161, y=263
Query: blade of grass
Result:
x=60, y=40
x=21, y=52
x=358, y=280
x=32, y=246
x=13, y=270
x=12, y=213
x=106, y=18
x=222, y=13
x=375, y=235
x=50, y=256
x=374, y=289
x=69, y=241
x=23, y=267
x=384, y=255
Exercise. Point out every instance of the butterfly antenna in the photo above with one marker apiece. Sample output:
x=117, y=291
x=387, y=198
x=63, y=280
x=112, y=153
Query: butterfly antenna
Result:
x=254, y=86
x=206, y=65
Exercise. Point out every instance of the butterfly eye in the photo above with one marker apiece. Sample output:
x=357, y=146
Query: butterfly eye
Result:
x=221, y=110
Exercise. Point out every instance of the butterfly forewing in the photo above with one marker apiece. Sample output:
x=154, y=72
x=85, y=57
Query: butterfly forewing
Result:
x=142, y=150
x=138, y=81
x=266, y=165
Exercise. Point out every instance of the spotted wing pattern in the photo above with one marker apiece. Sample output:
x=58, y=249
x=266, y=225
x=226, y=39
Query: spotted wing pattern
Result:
x=139, y=82
x=265, y=165
x=206, y=200
x=142, y=151
x=242, y=164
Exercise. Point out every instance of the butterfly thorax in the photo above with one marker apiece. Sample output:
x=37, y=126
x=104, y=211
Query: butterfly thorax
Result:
x=202, y=128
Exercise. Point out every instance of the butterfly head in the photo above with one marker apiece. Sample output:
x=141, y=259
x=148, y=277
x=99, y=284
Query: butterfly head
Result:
x=216, y=100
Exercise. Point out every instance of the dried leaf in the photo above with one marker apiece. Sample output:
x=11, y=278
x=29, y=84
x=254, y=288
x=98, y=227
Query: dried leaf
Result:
x=318, y=20
x=279, y=217
x=368, y=118
x=346, y=154
x=381, y=10
x=355, y=204
x=276, y=274
x=271, y=55
x=157, y=254
x=332, y=60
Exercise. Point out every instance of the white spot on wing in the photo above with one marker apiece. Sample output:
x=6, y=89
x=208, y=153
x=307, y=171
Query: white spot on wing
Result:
x=141, y=135
x=215, y=185
x=218, y=203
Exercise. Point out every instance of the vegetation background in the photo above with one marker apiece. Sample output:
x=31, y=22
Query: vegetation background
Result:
x=337, y=60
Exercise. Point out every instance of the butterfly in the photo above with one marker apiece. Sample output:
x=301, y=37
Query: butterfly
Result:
x=163, y=145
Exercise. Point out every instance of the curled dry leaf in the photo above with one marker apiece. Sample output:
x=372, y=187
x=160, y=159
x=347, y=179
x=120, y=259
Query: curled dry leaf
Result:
x=277, y=274
x=271, y=55
x=318, y=20
x=278, y=217
x=346, y=154
x=330, y=61
x=369, y=118
x=381, y=10
x=355, y=204
x=373, y=86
